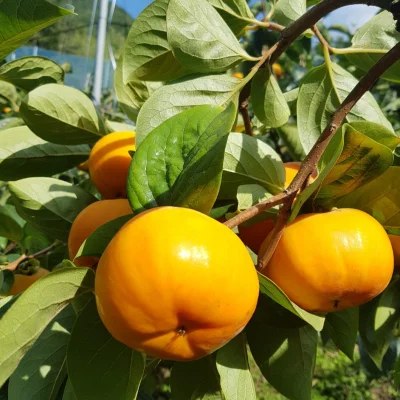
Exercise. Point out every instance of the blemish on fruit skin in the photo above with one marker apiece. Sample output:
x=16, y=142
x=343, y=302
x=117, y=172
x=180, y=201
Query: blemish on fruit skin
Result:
x=181, y=331
x=336, y=303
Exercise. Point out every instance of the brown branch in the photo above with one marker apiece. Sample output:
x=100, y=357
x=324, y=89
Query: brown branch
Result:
x=246, y=120
x=311, y=17
x=9, y=248
x=311, y=161
x=14, y=265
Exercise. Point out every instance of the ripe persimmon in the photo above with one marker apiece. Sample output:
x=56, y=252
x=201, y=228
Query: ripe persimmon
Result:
x=109, y=162
x=278, y=70
x=331, y=261
x=175, y=284
x=395, y=241
x=90, y=219
x=23, y=282
x=253, y=235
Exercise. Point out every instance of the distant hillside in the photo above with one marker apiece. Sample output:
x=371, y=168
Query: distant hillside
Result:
x=70, y=34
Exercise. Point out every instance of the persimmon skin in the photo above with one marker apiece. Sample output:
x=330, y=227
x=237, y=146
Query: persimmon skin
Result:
x=90, y=219
x=175, y=284
x=395, y=241
x=278, y=70
x=332, y=261
x=23, y=282
x=109, y=162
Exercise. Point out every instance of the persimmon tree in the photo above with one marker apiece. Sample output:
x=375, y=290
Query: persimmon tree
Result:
x=175, y=83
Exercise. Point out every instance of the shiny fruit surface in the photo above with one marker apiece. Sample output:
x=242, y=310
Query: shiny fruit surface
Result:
x=331, y=261
x=109, y=162
x=171, y=284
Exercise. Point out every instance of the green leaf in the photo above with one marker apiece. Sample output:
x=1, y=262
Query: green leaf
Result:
x=8, y=94
x=342, y=328
x=361, y=161
x=378, y=319
x=187, y=173
x=288, y=11
x=236, y=13
x=50, y=205
x=285, y=356
x=42, y=371
x=20, y=21
x=62, y=115
x=27, y=73
x=290, y=137
x=10, y=224
x=273, y=291
x=6, y=283
x=322, y=91
x=249, y=160
x=7, y=302
x=326, y=163
x=268, y=102
x=97, y=242
x=23, y=155
x=173, y=98
x=291, y=100
x=114, y=126
x=34, y=309
x=147, y=53
x=379, y=198
x=9, y=123
x=372, y=41
x=133, y=94
x=69, y=392
x=195, y=380
x=100, y=367
x=234, y=371
x=200, y=39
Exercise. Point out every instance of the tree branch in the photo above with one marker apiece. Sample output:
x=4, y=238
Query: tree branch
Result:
x=246, y=120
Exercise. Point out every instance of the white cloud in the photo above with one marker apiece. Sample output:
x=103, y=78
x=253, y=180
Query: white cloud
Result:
x=352, y=16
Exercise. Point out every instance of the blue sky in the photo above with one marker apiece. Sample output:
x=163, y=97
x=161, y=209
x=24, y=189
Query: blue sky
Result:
x=352, y=16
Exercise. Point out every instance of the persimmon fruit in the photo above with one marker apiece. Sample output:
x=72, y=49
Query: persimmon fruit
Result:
x=278, y=70
x=109, y=162
x=253, y=235
x=90, y=219
x=331, y=261
x=395, y=241
x=23, y=282
x=175, y=284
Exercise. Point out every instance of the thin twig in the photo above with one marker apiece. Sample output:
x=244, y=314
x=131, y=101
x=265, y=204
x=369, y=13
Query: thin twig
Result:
x=9, y=248
x=14, y=265
x=246, y=120
x=311, y=161
x=321, y=39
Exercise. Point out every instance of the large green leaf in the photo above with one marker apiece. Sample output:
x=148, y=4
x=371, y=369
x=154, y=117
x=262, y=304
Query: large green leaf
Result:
x=379, y=198
x=268, y=101
x=361, y=161
x=188, y=172
x=100, y=367
x=200, y=39
x=97, y=242
x=322, y=91
x=19, y=21
x=8, y=94
x=147, y=54
x=342, y=328
x=62, y=115
x=249, y=160
x=27, y=73
x=50, y=205
x=23, y=155
x=133, y=94
x=183, y=94
x=285, y=356
x=236, y=13
x=11, y=122
x=42, y=371
x=270, y=289
x=34, y=309
x=69, y=392
x=288, y=11
x=372, y=41
x=10, y=223
x=195, y=380
x=290, y=137
x=234, y=371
